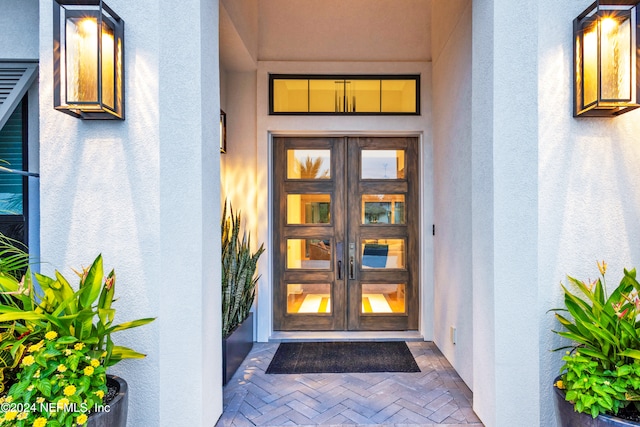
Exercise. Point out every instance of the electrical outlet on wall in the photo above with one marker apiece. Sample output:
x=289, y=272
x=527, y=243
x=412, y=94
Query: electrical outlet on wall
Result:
x=454, y=335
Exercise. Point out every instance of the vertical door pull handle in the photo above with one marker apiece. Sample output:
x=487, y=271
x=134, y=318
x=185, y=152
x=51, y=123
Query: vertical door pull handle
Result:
x=339, y=269
x=352, y=256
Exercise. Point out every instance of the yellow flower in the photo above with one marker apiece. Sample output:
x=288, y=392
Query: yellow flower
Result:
x=69, y=390
x=79, y=346
x=63, y=402
x=61, y=368
x=28, y=360
x=88, y=371
x=51, y=335
x=95, y=363
x=560, y=384
x=68, y=352
x=35, y=347
x=40, y=422
x=40, y=400
x=22, y=416
x=11, y=415
x=100, y=394
x=82, y=418
x=104, y=354
x=30, y=387
x=1, y=400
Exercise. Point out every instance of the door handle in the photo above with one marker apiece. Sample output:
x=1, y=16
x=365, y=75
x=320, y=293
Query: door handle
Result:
x=339, y=255
x=351, y=275
x=352, y=255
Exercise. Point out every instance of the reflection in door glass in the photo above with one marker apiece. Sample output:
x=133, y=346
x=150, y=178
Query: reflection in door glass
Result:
x=308, y=164
x=308, y=208
x=383, y=209
x=382, y=164
x=313, y=254
x=309, y=298
x=383, y=253
x=383, y=298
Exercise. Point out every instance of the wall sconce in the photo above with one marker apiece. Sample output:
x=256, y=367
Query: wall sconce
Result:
x=88, y=60
x=223, y=132
x=605, y=58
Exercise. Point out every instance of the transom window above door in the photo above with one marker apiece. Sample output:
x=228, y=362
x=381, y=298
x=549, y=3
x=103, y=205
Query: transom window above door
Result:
x=344, y=95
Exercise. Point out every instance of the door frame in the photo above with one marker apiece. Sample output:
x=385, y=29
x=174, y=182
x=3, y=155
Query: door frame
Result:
x=425, y=246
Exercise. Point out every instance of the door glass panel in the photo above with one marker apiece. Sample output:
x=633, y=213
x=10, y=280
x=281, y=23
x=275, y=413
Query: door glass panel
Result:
x=313, y=254
x=383, y=209
x=382, y=164
x=308, y=208
x=383, y=253
x=308, y=164
x=309, y=298
x=383, y=298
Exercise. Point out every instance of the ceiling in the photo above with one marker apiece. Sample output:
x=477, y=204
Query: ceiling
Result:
x=324, y=30
x=344, y=30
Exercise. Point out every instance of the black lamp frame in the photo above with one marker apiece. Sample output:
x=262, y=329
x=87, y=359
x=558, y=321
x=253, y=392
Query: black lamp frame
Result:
x=603, y=107
x=98, y=109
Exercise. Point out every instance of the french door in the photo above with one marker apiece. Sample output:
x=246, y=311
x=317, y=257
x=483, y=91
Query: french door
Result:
x=345, y=233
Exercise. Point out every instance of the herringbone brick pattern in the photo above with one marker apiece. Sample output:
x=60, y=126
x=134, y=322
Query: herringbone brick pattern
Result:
x=434, y=397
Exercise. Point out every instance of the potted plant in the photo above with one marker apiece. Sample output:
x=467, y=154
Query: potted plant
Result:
x=238, y=292
x=599, y=383
x=56, y=347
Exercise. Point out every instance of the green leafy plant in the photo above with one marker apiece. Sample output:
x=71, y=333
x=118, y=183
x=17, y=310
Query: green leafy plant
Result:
x=32, y=319
x=601, y=371
x=238, y=270
x=59, y=384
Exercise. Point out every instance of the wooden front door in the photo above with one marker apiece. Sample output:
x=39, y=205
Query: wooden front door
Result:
x=345, y=233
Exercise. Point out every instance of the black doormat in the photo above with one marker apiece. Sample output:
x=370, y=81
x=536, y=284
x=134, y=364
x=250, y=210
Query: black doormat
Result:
x=342, y=357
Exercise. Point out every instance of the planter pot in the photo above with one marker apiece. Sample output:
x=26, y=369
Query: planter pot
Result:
x=567, y=417
x=114, y=414
x=236, y=347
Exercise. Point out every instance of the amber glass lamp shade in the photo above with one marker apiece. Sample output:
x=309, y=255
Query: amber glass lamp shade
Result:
x=88, y=58
x=605, y=59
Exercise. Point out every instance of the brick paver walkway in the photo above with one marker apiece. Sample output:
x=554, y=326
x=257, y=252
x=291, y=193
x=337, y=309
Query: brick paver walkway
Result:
x=434, y=397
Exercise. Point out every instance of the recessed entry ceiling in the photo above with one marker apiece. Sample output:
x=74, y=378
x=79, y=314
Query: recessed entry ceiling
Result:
x=344, y=30
x=324, y=30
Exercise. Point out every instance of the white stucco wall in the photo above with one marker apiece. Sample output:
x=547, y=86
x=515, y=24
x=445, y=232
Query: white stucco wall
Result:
x=589, y=200
x=144, y=192
x=453, y=288
x=19, y=29
x=505, y=138
x=19, y=20
x=332, y=125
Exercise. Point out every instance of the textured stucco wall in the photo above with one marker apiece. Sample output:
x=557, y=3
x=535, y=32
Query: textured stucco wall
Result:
x=505, y=138
x=19, y=29
x=145, y=193
x=589, y=199
x=482, y=207
x=452, y=182
x=19, y=40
